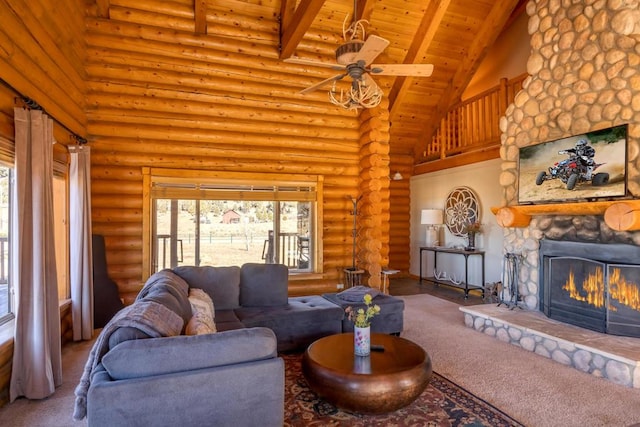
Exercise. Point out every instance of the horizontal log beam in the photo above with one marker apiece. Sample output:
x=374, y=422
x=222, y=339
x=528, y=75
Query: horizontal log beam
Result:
x=621, y=214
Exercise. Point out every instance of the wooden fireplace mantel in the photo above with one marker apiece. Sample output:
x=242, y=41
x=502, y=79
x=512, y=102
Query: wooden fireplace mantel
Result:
x=621, y=215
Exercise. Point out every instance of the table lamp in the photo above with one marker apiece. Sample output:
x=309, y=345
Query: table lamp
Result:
x=432, y=218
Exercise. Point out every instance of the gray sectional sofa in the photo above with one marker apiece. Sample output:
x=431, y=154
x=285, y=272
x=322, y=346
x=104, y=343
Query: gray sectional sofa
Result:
x=143, y=370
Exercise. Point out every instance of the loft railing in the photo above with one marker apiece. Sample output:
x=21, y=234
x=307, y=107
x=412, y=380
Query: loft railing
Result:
x=474, y=123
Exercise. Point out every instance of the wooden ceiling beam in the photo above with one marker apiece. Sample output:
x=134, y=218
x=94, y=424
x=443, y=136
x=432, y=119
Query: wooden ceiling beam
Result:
x=102, y=7
x=489, y=32
x=430, y=23
x=364, y=9
x=200, y=16
x=287, y=9
x=298, y=25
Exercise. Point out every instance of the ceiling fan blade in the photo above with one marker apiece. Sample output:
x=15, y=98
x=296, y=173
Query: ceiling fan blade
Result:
x=371, y=48
x=303, y=61
x=322, y=83
x=415, y=70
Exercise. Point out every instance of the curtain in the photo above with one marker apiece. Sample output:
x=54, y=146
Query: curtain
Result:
x=37, y=361
x=80, y=262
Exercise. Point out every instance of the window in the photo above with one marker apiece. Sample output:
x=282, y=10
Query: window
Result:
x=210, y=220
x=5, y=210
x=61, y=233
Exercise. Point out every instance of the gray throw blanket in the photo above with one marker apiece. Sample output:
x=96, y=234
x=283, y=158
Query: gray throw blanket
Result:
x=162, y=276
x=150, y=317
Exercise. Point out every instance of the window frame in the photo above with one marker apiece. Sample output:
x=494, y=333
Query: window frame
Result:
x=160, y=183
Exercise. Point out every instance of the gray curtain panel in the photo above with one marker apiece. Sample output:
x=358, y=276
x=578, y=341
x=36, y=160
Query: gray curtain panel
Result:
x=37, y=360
x=80, y=256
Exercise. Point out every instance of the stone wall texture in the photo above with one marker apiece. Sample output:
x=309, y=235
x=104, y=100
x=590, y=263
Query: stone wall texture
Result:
x=584, y=75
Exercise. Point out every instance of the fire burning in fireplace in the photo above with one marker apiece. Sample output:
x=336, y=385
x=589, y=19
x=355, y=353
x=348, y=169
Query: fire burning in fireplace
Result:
x=595, y=286
x=592, y=286
x=592, y=289
x=623, y=291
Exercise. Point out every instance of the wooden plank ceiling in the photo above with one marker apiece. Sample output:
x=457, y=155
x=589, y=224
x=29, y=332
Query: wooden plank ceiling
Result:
x=454, y=35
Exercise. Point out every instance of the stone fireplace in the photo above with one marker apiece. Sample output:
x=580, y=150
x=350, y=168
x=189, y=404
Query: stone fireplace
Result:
x=584, y=72
x=594, y=286
x=584, y=75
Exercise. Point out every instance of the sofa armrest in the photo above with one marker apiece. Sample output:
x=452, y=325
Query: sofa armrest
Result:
x=159, y=356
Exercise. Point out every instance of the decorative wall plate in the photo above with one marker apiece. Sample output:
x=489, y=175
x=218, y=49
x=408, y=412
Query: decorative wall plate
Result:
x=461, y=208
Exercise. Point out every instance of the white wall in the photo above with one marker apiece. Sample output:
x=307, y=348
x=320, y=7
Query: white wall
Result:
x=507, y=58
x=429, y=191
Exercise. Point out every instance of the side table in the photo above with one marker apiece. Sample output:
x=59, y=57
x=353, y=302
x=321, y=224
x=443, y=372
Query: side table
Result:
x=466, y=254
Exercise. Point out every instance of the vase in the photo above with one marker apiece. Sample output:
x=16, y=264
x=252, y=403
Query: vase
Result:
x=362, y=365
x=472, y=241
x=362, y=340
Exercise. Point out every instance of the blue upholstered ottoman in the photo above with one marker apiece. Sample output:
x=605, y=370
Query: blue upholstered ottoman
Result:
x=391, y=317
x=297, y=324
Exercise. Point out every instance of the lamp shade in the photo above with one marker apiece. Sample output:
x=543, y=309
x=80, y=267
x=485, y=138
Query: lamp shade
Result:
x=431, y=216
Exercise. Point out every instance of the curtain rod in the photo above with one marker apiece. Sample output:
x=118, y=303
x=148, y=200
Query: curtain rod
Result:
x=33, y=105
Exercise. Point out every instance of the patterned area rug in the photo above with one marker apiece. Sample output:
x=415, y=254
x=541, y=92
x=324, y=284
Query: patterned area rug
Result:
x=442, y=404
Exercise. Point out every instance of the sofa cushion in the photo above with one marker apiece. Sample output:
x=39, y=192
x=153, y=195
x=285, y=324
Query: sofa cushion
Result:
x=221, y=283
x=299, y=323
x=227, y=320
x=203, y=311
x=264, y=285
x=159, y=356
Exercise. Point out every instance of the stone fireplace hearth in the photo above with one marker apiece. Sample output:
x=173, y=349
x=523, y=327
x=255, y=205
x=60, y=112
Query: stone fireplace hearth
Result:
x=614, y=358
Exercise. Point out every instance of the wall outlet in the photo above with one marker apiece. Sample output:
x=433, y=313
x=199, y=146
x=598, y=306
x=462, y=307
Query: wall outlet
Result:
x=340, y=286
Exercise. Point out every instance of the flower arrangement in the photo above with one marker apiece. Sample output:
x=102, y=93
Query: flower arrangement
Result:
x=361, y=317
x=473, y=227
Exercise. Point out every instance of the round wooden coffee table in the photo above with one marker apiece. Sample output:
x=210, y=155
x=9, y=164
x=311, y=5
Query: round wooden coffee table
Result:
x=382, y=382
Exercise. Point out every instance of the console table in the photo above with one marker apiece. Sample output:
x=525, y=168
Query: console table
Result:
x=466, y=254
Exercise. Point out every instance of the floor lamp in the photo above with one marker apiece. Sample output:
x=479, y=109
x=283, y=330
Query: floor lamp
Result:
x=432, y=218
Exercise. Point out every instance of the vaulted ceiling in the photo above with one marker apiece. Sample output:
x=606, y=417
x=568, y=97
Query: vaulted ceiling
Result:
x=453, y=35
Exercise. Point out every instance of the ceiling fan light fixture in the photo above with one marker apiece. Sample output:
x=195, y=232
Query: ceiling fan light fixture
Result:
x=360, y=95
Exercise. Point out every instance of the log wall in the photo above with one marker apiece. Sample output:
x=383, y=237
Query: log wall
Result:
x=42, y=57
x=169, y=97
x=178, y=99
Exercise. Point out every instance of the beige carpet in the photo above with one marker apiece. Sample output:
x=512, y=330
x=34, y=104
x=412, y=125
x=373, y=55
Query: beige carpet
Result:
x=534, y=390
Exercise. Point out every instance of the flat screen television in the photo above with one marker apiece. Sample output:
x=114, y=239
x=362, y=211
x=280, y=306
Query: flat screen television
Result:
x=582, y=167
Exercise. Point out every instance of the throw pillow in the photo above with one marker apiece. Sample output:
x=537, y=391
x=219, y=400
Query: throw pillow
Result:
x=203, y=313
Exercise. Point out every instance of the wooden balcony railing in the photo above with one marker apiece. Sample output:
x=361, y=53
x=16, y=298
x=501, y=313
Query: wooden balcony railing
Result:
x=473, y=124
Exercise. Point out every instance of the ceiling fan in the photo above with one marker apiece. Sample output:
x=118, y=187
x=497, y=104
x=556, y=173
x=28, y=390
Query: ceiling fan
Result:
x=354, y=58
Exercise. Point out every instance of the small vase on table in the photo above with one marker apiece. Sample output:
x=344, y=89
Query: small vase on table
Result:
x=472, y=241
x=362, y=340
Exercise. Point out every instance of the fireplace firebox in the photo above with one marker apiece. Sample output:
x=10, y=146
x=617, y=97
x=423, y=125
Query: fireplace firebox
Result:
x=591, y=285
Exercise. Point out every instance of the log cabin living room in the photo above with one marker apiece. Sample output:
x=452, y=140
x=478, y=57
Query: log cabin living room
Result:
x=356, y=143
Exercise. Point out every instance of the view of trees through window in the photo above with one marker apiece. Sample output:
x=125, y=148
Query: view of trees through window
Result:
x=232, y=232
